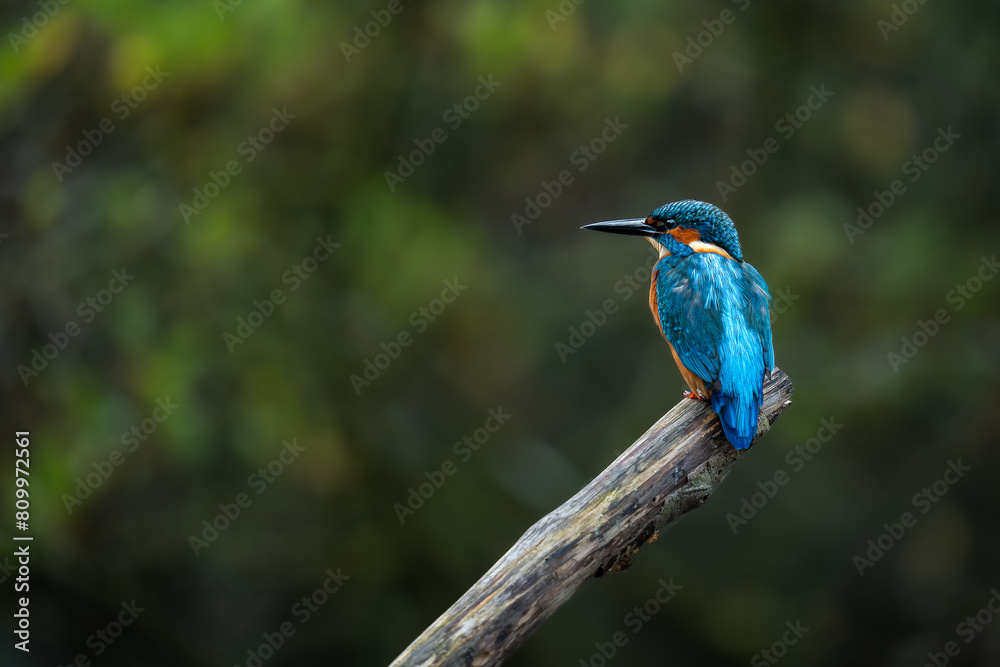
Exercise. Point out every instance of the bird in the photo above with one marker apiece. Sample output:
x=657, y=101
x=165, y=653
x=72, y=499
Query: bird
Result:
x=712, y=307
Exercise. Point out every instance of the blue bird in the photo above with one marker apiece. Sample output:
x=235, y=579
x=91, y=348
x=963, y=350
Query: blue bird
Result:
x=711, y=306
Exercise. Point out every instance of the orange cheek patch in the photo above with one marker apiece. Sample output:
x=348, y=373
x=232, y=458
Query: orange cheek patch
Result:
x=685, y=236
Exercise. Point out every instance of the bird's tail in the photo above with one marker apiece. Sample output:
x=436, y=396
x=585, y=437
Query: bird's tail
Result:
x=739, y=415
x=738, y=394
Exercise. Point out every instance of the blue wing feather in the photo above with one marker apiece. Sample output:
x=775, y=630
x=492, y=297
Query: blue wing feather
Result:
x=715, y=312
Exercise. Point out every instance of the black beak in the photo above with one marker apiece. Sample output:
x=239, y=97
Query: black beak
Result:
x=636, y=227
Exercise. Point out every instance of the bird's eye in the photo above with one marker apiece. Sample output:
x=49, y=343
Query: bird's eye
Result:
x=659, y=223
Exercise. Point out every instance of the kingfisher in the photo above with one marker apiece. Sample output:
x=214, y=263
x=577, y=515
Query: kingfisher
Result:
x=712, y=308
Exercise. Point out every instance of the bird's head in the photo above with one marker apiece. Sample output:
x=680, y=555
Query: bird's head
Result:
x=701, y=226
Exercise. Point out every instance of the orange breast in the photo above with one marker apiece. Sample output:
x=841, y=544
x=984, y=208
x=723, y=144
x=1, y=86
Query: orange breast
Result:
x=654, y=302
x=696, y=384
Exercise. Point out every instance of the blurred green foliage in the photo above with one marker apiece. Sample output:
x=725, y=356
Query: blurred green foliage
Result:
x=230, y=66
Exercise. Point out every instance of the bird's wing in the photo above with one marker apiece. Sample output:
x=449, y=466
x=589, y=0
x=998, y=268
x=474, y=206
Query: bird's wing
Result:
x=759, y=312
x=715, y=313
x=705, y=300
x=690, y=301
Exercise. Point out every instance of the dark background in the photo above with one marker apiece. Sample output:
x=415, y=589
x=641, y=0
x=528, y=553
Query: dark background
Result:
x=847, y=301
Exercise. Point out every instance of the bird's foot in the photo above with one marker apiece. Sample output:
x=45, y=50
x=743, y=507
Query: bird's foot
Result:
x=695, y=396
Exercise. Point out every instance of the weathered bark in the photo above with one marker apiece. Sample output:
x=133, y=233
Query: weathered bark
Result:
x=666, y=473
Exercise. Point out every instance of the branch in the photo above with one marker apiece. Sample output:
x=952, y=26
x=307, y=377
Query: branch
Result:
x=669, y=471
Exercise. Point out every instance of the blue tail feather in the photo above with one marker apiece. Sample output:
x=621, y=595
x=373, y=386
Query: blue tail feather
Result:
x=738, y=394
x=738, y=415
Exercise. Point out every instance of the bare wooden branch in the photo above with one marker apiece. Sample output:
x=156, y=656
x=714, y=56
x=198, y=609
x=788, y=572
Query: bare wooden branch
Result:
x=669, y=471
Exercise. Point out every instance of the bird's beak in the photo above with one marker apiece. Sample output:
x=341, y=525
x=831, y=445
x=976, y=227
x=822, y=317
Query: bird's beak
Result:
x=636, y=227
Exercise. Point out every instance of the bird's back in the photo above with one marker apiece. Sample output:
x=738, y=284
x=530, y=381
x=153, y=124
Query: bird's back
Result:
x=714, y=311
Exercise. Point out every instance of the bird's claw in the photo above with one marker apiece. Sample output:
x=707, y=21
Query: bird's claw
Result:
x=694, y=397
